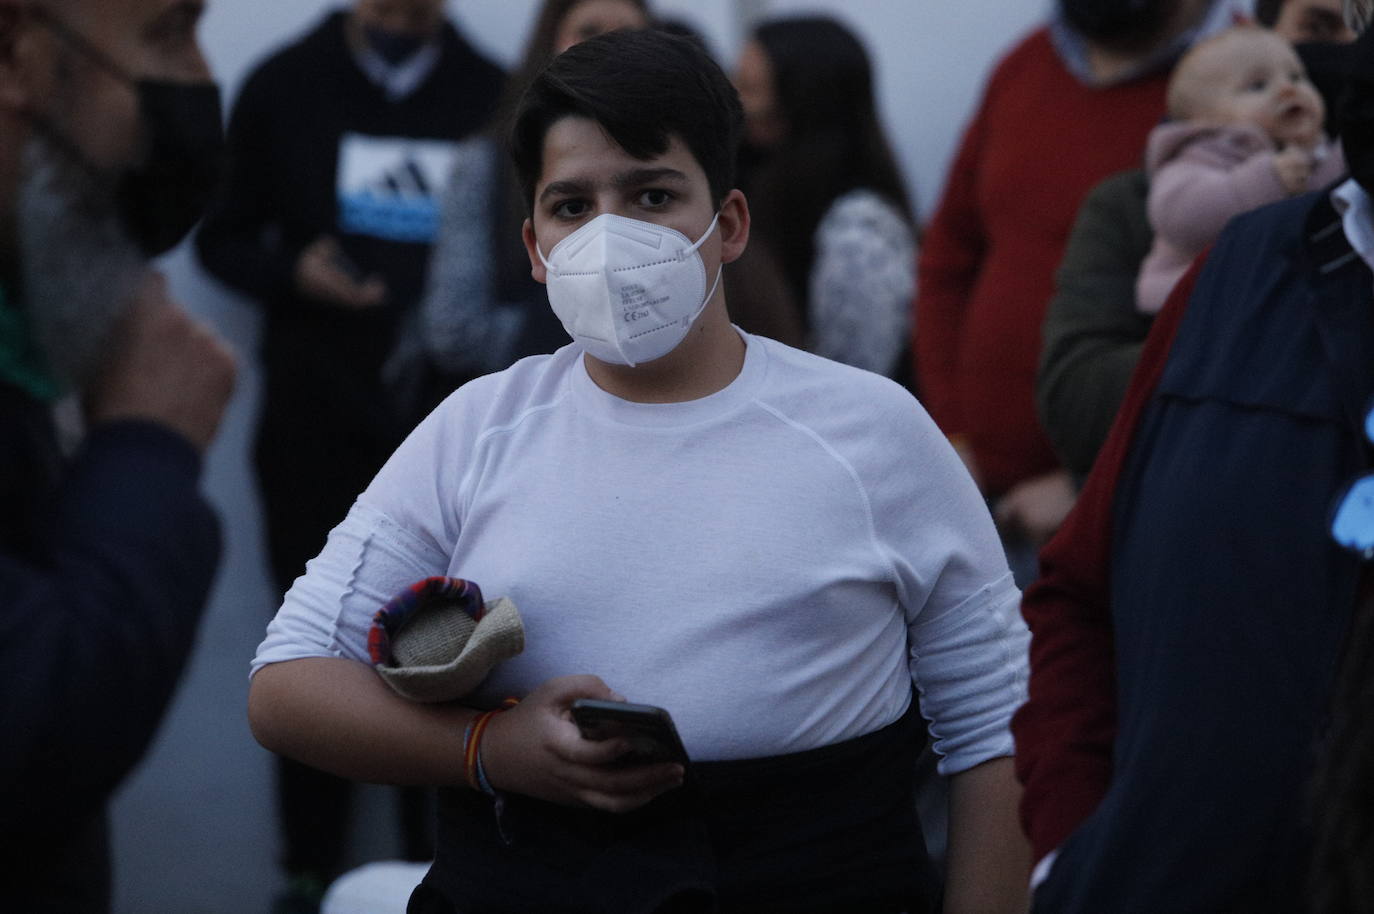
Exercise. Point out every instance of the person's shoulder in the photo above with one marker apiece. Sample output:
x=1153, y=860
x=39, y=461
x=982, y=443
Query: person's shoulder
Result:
x=1251, y=332
x=287, y=65
x=871, y=423
x=863, y=206
x=459, y=52
x=1246, y=286
x=1133, y=183
x=505, y=397
x=1270, y=228
x=823, y=387
x=1122, y=196
x=1031, y=52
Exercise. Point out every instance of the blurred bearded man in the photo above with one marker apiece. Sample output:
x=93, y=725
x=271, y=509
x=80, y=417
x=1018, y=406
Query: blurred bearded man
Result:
x=109, y=144
x=1067, y=106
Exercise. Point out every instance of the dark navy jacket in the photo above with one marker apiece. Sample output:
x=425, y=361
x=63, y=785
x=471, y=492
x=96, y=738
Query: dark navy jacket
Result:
x=1229, y=602
x=105, y=564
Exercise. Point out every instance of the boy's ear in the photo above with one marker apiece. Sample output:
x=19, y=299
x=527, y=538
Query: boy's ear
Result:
x=537, y=268
x=734, y=226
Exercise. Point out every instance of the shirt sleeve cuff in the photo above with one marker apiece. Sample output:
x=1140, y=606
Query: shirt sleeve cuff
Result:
x=1042, y=869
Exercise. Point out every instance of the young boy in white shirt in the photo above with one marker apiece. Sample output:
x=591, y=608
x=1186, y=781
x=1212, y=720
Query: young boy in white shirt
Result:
x=771, y=546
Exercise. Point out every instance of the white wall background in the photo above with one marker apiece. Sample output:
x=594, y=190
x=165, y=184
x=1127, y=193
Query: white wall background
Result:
x=194, y=828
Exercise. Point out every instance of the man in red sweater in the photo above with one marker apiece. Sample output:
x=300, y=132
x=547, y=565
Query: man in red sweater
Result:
x=1068, y=106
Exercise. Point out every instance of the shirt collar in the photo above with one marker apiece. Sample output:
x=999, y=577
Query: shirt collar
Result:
x=1357, y=218
x=1073, y=47
x=398, y=81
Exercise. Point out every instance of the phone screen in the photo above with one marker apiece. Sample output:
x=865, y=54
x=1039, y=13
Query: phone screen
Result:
x=649, y=730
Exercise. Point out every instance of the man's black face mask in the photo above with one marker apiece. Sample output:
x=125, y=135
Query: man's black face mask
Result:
x=1357, y=113
x=1121, y=25
x=1328, y=67
x=161, y=197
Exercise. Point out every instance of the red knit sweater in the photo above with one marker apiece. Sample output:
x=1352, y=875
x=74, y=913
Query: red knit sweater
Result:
x=1038, y=143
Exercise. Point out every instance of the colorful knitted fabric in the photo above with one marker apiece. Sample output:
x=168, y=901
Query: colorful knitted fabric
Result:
x=389, y=620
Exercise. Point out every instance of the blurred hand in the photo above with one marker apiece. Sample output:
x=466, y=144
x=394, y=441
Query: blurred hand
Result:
x=535, y=749
x=165, y=367
x=321, y=274
x=1036, y=507
x=1294, y=165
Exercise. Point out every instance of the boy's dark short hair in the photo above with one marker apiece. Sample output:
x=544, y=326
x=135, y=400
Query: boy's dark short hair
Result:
x=643, y=88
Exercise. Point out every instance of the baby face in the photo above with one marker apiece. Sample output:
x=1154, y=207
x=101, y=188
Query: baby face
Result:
x=1252, y=76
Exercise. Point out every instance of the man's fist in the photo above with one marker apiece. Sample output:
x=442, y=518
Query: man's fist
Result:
x=164, y=366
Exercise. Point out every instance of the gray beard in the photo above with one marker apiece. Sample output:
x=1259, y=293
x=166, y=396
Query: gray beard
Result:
x=78, y=267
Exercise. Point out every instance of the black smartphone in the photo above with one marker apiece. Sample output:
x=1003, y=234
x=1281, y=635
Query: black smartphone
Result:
x=650, y=730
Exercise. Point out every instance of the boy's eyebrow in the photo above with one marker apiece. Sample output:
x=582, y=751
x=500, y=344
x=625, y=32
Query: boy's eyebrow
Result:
x=632, y=178
x=639, y=176
x=564, y=189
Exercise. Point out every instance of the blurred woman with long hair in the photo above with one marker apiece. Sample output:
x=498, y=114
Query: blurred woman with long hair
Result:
x=828, y=201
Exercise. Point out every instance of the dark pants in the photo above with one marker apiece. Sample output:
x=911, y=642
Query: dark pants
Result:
x=828, y=830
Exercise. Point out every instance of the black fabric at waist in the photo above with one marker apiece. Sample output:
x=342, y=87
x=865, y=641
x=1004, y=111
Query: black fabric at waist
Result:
x=829, y=829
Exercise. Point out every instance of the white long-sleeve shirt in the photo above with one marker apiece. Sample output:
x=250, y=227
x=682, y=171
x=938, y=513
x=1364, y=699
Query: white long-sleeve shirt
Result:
x=774, y=564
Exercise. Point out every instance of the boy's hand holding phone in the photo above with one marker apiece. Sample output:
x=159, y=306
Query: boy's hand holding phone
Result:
x=536, y=749
x=649, y=730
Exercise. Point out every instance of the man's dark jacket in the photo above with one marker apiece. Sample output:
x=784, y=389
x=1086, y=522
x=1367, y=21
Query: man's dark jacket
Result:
x=105, y=564
x=1226, y=604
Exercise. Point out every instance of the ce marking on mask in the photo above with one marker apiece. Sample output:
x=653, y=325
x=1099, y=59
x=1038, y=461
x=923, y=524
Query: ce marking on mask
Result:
x=635, y=305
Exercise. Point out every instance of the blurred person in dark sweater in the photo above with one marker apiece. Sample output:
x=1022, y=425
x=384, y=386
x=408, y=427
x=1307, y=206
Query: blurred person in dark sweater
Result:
x=340, y=146
x=109, y=136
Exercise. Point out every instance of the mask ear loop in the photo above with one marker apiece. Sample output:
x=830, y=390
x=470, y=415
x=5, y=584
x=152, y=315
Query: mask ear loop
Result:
x=709, y=295
x=710, y=230
x=720, y=272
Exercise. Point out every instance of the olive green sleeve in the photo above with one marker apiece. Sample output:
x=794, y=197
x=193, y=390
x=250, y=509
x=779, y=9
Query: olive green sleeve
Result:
x=1093, y=333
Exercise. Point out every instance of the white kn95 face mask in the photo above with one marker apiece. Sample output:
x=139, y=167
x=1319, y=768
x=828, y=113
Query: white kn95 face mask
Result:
x=627, y=290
